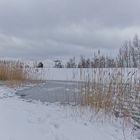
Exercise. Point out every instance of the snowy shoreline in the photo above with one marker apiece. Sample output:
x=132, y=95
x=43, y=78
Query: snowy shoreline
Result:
x=34, y=120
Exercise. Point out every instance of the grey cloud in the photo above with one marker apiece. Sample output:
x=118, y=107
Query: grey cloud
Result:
x=66, y=27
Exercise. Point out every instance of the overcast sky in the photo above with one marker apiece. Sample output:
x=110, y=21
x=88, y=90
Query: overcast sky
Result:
x=39, y=28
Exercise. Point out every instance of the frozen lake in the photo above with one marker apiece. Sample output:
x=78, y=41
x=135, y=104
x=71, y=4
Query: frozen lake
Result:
x=53, y=91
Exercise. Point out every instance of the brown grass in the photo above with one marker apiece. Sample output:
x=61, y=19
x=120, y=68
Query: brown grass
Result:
x=12, y=72
x=114, y=93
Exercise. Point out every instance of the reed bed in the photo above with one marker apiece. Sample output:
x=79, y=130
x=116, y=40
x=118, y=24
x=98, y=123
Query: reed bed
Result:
x=13, y=72
x=112, y=91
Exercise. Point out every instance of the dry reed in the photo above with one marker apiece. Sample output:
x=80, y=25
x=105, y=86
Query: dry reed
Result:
x=112, y=91
x=13, y=72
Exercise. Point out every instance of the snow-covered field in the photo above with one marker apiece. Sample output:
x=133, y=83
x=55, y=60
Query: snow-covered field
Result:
x=85, y=74
x=22, y=120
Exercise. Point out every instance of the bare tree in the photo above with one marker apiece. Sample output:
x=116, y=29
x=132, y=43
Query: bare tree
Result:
x=71, y=63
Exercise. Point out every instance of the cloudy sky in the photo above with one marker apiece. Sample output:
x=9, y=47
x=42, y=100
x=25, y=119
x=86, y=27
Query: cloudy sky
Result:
x=40, y=28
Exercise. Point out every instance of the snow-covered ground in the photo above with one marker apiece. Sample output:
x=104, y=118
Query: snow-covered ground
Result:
x=22, y=120
x=85, y=74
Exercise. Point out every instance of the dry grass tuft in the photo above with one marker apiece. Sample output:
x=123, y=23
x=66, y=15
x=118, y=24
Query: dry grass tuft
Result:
x=13, y=72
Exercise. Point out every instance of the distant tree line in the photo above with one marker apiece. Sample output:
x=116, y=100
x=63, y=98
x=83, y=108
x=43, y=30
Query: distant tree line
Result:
x=128, y=56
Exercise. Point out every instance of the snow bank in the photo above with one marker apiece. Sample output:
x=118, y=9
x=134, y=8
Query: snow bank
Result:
x=21, y=120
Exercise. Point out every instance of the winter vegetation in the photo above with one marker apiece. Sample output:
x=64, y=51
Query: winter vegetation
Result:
x=12, y=70
x=16, y=73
